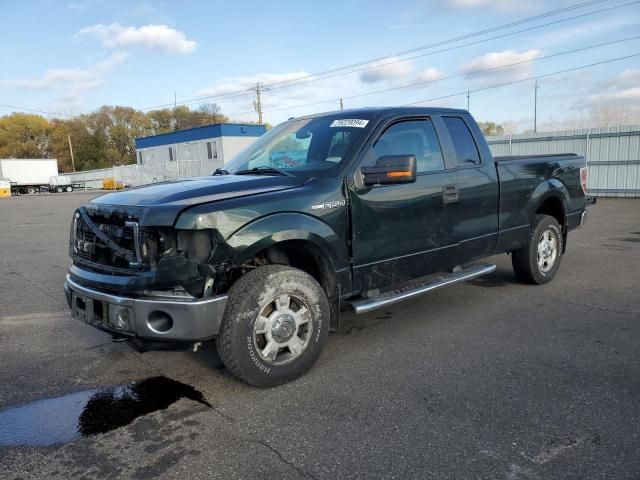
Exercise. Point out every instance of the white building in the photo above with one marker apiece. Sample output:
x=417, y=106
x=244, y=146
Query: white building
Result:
x=210, y=146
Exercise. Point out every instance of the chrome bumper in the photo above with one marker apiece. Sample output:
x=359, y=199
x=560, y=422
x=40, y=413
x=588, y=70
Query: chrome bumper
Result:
x=147, y=318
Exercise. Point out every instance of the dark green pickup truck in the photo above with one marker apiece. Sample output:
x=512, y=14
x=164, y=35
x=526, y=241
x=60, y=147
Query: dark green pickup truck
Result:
x=359, y=208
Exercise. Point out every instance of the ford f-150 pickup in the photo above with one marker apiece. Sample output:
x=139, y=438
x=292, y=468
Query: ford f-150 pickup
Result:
x=358, y=208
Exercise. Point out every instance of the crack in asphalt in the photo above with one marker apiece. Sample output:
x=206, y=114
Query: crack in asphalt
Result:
x=285, y=461
x=223, y=415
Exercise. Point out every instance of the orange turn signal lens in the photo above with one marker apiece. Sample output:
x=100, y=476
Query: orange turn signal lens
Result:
x=399, y=174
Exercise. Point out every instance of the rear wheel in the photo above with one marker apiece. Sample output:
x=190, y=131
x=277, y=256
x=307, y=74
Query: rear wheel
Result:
x=31, y=190
x=539, y=259
x=69, y=188
x=59, y=189
x=274, y=326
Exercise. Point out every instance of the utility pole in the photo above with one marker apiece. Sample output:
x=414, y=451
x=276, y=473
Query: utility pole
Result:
x=535, y=107
x=467, y=100
x=341, y=105
x=175, y=113
x=73, y=163
x=258, y=103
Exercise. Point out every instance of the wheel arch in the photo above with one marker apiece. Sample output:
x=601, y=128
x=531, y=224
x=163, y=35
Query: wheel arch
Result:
x=551, y=198
x=301, y=241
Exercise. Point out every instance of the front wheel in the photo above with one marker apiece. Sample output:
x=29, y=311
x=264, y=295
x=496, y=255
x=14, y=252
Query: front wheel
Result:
x=275, y=325
x=538, y=260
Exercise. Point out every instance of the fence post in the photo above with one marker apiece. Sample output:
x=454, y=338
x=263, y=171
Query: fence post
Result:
x=586, y=150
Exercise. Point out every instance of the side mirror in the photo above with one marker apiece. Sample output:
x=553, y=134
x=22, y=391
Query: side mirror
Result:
x=390, y=169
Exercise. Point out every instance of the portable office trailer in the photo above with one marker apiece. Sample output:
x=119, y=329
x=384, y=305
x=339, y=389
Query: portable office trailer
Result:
x=211, y=145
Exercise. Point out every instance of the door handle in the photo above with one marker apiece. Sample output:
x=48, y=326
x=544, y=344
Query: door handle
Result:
x=450, y=194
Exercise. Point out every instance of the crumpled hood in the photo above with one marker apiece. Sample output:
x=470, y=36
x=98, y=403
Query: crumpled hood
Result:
x=159, y=204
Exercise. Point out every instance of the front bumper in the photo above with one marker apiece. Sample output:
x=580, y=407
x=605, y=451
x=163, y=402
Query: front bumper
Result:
x=147, y=318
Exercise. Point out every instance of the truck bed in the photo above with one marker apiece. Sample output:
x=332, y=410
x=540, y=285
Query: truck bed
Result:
x=521, y=188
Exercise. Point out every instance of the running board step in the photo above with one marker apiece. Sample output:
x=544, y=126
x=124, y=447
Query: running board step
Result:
x=395, y=296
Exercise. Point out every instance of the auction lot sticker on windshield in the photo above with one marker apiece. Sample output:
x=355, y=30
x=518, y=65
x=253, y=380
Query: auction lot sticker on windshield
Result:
x=350, y=122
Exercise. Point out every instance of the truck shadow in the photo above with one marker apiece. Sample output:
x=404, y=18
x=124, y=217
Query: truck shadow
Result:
x=499, y=278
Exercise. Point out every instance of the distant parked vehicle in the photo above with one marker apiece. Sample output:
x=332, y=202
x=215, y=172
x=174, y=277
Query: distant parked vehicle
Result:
x=60, y=183
x=28, y=176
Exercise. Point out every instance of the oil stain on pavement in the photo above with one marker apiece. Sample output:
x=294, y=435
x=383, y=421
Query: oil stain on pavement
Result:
x=89, y=412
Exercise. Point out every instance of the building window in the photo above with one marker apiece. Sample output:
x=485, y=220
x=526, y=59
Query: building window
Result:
x=215, y=150
x=170, y=154
x=140, y=160
x=209, y=153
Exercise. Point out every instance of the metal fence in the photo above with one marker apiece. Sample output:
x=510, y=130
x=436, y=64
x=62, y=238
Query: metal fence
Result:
x=134, y=175
x=612, y=153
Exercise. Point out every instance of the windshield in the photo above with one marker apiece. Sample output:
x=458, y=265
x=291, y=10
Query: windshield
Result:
x=314, y=146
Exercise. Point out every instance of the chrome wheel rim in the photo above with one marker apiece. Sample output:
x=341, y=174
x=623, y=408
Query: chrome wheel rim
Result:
x=547, y=250
x=282, y=331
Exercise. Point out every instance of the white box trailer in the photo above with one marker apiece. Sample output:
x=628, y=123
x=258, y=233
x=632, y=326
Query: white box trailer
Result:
x=28, y=175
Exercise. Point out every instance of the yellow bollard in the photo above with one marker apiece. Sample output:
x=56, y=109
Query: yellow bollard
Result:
x=5, y=188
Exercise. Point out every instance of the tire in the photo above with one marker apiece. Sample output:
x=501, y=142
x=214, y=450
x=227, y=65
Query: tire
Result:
x=538, y=261
x=59, y=190
x=31, y=190
x=69, y=189
x=265, y=317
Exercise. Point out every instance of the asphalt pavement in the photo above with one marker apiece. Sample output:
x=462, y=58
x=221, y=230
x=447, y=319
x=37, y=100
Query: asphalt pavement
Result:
x=489, y=379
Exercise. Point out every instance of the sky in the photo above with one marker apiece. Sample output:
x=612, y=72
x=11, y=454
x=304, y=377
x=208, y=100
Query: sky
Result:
x=71, y=57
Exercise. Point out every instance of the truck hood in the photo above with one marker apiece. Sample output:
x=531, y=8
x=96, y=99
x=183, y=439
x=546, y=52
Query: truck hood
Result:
x=160, y=203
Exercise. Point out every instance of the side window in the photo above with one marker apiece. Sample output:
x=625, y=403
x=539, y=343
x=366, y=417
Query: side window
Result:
x=412, y=137
x=463, y=142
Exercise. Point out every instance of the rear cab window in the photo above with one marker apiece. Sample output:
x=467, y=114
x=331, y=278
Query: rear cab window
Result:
x=464, y=145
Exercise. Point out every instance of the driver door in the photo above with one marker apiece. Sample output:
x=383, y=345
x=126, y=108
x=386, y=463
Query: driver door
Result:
x=402, y=231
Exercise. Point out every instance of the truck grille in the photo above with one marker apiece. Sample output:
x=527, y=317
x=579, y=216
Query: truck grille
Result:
x=88, y=248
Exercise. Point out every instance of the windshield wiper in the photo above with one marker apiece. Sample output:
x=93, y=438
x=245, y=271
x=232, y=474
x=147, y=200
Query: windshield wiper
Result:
x=220, y=171
x=263, y=170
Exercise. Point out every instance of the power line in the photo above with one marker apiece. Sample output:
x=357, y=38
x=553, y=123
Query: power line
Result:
x=513, y=82
x=323, y=74
x=455, y=39
x=55, y=114
x=465, y=92
x=465, y=74
x=477, y=42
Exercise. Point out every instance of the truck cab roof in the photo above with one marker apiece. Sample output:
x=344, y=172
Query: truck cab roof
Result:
x=375, y=112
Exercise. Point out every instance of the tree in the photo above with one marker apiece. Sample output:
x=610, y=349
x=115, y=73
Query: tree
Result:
x=100, y=139
x=491, y=128
x=161, y=120
x=24, y=136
